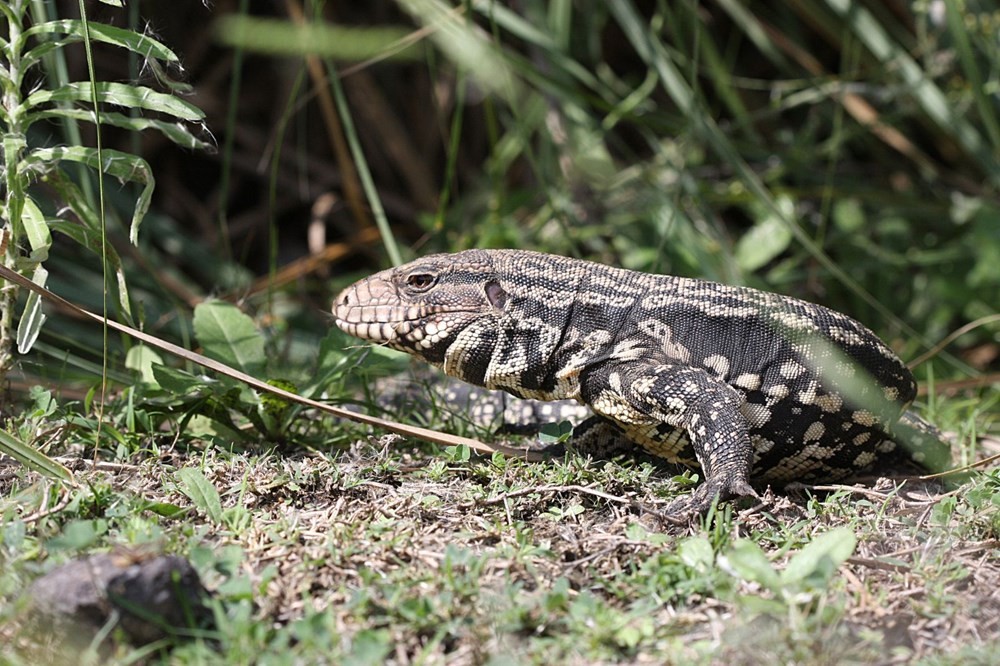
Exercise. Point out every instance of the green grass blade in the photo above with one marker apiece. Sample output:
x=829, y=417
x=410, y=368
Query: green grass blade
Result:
x=33, y=459
x=656, y=56
x=361, y=164
x=930, y=97
x=988, y=108
x=467, y=44
x=284, y=38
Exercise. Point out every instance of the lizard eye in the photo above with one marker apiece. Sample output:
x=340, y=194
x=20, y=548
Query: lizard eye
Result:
x=420, y=281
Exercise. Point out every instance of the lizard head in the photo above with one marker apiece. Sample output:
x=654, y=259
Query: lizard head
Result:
x=424, y=306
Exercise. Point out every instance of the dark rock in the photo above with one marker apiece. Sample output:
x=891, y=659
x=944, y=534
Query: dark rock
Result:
x=151, y=597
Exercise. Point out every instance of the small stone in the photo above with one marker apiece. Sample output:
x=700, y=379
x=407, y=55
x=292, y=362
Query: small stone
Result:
x=152, y=596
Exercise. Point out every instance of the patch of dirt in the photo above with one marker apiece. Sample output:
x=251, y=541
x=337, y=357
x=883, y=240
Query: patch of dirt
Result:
x=321, y=529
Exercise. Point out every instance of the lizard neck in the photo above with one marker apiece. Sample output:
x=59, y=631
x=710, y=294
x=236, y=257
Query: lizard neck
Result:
x=559, y=320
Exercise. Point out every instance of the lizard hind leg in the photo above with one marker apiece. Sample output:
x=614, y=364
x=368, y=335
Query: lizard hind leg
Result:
x=674, y=411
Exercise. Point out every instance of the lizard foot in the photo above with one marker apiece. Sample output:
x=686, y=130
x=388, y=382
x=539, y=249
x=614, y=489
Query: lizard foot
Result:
x=690, y=507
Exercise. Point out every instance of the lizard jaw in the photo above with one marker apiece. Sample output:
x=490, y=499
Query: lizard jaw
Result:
x=371, y=310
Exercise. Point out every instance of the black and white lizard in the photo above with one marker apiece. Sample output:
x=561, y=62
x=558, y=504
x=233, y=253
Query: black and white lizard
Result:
x=745, y=385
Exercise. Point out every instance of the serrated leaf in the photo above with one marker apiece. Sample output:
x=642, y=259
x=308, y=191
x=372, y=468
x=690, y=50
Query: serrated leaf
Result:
x=228, y=335
x=32, y=458
x=32, y=318
x=813, y=566
x=138, y=43
x=119, y=94
x=176, y=132
x=202, y=493
x=124, y=166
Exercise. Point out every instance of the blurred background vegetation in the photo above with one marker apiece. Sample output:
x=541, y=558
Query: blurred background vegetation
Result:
x=846, y=152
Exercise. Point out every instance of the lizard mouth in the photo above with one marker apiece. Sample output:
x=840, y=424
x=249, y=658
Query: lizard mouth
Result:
x=371, y=310
x=380, y=323
x=375, y=331
x=414, y=326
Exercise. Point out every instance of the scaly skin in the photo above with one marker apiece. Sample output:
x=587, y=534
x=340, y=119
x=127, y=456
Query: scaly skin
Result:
x=742, y=384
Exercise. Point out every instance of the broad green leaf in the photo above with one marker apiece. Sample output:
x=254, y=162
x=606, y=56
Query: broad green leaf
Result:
x=200, y=490
x=176, y=132
x=813, y=566
x=142, y=359
x=848, y=215
x=45, y=404
x=767, y=239
x=696, y=552
x=748, y=561
x=32, y=458
x=175, y=381
x=228, y=335
x=370, y=647
x=123, y=166
x=119, y=94
x=78, y=535
x=32, y=318
x=280, y=37
x=165, y=509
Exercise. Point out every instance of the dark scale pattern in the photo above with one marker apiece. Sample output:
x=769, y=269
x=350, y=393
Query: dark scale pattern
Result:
x=743, y=384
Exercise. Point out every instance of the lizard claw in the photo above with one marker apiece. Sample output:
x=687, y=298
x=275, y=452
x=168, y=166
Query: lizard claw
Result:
x=695, y=504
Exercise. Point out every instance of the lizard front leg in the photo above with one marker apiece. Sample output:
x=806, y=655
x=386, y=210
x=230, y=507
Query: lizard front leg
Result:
x=682, y=414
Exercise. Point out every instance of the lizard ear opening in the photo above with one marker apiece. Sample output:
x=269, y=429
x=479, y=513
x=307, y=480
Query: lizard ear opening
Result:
x=496, y=295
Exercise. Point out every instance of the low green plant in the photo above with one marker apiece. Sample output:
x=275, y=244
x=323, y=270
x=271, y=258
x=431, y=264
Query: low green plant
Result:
x=217, y=406
x=37, y=179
